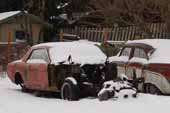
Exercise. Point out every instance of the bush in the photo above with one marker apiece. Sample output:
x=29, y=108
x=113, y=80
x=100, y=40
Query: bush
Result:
x=108, y=49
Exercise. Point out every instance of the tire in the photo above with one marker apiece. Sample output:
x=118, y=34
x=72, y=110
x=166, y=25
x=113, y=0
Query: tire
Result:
x=152, y=89
x=104, y=96
x=69, y=91
x=146, y=88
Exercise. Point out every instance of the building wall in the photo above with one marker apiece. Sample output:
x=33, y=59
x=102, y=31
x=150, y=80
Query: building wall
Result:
x=7, y=30
x=36, y=29
x=15, y=52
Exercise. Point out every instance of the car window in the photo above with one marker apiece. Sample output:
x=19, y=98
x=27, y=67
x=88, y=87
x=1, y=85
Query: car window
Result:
x=126, y=52
x=40, y=54
x=140, y=53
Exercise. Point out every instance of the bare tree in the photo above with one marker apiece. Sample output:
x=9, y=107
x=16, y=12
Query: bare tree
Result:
x=163, y=7
x=125, y=12
x=36, y=7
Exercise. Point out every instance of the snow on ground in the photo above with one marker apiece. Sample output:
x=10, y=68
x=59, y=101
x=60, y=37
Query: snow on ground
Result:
x=12, y=100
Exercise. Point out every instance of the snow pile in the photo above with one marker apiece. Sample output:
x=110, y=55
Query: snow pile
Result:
x=116, y=89
x=111, y=85
x=80, y=53
x=120, y=88
x=161, y=46
x=126, y=93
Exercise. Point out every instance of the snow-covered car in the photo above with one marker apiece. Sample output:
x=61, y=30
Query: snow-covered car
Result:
x=148, y=59
x=75, y=69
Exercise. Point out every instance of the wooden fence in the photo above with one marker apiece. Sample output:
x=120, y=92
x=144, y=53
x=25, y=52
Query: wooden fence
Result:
x=157, y=30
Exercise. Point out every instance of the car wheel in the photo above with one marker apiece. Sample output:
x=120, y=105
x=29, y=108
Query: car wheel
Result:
x=69, y=91
x=146, y=88
x=152, y=89
x=103, y=96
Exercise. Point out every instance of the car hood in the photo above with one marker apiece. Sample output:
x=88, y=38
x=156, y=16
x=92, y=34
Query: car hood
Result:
x=81, y=60
x=79, y=53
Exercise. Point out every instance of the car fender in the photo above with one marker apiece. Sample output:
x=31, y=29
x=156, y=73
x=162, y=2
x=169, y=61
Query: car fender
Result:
x=11, y=70
x=158, y=80
x=73, y=80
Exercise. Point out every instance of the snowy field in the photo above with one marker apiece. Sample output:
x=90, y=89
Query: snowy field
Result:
x=12, y=100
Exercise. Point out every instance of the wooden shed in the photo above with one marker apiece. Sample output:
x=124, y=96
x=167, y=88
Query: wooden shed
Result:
x=17, y=30
x=21, y=27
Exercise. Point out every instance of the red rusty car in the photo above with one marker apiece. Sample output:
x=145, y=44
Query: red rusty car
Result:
x=148, y=59
x=75, y=69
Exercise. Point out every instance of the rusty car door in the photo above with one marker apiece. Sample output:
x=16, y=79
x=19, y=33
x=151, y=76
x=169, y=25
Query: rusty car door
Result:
x=37, y=69
x=122, y=60
x=136, y=64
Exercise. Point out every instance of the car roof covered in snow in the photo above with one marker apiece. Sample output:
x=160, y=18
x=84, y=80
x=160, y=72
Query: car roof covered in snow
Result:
x=155, y=43
x=81, y=52
x=161, y=47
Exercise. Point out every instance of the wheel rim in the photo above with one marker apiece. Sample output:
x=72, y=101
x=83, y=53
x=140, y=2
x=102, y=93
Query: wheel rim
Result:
x=153, y=90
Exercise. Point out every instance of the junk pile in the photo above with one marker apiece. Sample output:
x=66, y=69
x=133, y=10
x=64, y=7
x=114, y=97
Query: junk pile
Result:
x=119, y=88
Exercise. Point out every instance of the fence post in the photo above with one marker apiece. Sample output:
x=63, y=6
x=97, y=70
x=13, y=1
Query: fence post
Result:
x=105, y=34
x=85, y=32
x=61, y=35
x=100, y=34
x=9, y=47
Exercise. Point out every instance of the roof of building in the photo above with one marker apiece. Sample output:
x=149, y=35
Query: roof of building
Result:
x=5, y=16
